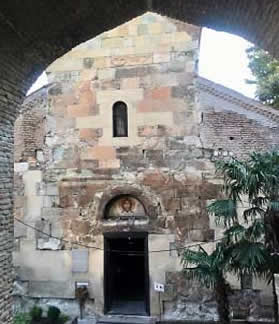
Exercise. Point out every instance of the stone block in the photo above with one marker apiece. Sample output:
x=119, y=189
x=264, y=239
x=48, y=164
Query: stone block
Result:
x=51, y=213
x=116, y=42
x=64, y=124
x=131, y=60
x=109, y=164
x=176, y=143
x=161, y=57
x=20, y=288
x=190, y=67
x=179, y=91
x=86, y=321
x=155, y=156
x=170, y=28
x=142, y=29
x=196, y=235
x=132, y=29
x=123, y=30
x=19, y=213
x=19, y=201
x=30, y=179
x=101, y=62
x=129, y=43
x=110, y=96
x=86, y=122
x=132, y=72
x=181, y=36
x=153, y=105
x=161, y=93
x=90, y=164
x=88, y=62
x=20, y=230
x=141, y=42
x=210, y=190
x=49, y=244
x=110, y=85
x=130, y=83
x=154, y=117
x=173, y=204
x=156, y=28
x=175, y=66
x=153, y=131
x=80, y=260
x=21, y=167
x=55, y=90
x=169, y=293
x=82, y=110
x=51, y=189
x=51, y=289
x=50, y=201
x=106, y=74
x=90, y=133
x=180, y=118
x=80, y=227
x=100, y=153
x=40, y=156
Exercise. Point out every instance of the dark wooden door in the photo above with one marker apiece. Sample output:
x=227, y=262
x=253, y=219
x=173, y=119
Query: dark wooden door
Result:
x=126, y=273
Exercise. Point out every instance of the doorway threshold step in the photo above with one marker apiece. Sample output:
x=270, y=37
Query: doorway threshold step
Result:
x=126, y=319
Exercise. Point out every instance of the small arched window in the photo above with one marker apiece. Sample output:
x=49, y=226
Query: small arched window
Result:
x=120, y=119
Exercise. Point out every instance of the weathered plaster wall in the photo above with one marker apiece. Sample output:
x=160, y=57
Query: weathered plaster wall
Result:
x=66, y=174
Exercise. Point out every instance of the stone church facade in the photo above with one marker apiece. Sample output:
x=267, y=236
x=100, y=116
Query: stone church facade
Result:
x=114, y=167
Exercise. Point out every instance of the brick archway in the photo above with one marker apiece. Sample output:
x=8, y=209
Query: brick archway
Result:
x=35, y=33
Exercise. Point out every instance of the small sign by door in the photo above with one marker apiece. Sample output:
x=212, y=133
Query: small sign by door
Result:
x=159, y=287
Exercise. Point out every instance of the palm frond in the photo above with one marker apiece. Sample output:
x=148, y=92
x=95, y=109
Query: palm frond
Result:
x=252, y=213
x=249, y=258
x=234, y=233
x=202, y=266
x=255, y=231
x=224, y=211
x=235, y=174
x=274, y=205
x=259, y=201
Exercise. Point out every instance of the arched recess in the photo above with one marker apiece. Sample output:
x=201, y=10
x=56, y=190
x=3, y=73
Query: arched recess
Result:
x=124, y=207
x=141, y=201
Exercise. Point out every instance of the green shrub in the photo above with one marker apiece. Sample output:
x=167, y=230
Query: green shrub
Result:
x=22, y=318
x=53, y=314
x=62, y=319
x=36, y=313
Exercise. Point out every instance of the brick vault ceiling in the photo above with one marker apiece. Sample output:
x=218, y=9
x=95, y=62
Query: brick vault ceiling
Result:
x=50, y=28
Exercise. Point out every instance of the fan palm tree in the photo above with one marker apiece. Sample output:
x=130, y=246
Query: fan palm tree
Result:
x=257, y=179
x=209, y=270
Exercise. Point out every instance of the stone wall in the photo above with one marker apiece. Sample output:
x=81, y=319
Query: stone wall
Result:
x=30, y=44
x=66, y=174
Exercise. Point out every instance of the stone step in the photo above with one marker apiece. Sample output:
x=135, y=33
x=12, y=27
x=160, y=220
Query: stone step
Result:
x=86, y=321
x=126, y=319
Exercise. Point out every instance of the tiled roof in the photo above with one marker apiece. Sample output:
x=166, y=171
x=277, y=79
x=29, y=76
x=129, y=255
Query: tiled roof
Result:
x=236, y=98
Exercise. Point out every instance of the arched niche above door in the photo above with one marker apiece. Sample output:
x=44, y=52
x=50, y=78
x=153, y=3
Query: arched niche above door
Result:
x=125, y=207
